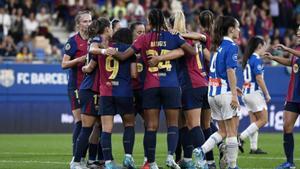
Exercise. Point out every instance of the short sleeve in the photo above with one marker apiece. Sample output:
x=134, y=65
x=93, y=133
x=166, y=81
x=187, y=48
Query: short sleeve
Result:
x=137, y=45
x=179, y=40
x=96, y=39
x=258, y=67
x=232, y=57
x=70, y=47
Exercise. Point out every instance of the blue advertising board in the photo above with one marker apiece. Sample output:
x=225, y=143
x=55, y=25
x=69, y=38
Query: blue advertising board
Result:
x=33, y=98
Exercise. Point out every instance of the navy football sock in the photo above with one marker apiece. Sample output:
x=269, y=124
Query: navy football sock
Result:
x=288, y=144
x=198, y=136
x=82, y=142
x=209, y=155
x=76, y=132
x=106, y=146
x=187, y=143
x=150, y=137
x=145, y=144
x=100, y=154
x=128, y=139
x=93, y=151
x=172, y=138
x=178, y=151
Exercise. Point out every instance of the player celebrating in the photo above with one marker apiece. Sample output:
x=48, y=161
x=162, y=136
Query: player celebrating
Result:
x=222, y=89
x=292, y=105
x=192, y=78
x=161, y=86
x=74, y=58
x=253, y=90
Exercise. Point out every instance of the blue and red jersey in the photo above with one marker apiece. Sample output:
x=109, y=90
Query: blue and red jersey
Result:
x=76, y=47
x=165, y=74
x=138, y=83
x=294, y=84
x=253, y=68
x=224, y=58
x=193, y=72
x=91, y=80
x=115, y=76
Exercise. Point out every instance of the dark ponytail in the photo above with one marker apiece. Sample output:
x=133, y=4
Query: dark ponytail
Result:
x=97, y=27
x=220, y=29
x=251, y=47
x=206, y=19
x=157, y=21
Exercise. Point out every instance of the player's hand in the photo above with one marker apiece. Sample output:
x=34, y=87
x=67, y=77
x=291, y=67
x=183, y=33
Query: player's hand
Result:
x=111, y=51
x=81, y=59
x=239, y=91
x=84, y=69
x=268, y=98
x=203, y=38
x=280, y=47
x=235, y=105
x=267, y=55
x=153, y=60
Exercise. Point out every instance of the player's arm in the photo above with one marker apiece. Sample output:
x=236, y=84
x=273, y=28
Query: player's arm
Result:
x=290, y=50
x=281, y=60
x=133, y=70
x=188, y=49
x=120, y=55
x=68, y=63
x=89, y=67
x=260, y=81
x=173, y=54
x=232, y=83
x=97, y=49
x=194, y=35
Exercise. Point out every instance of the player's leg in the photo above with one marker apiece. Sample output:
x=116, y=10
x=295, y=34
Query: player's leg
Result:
x=88, y=117
x=171, y=102
x=107, y=111
x=125, y=105
x=151, y=105
x=289, y=118
x=76, y=111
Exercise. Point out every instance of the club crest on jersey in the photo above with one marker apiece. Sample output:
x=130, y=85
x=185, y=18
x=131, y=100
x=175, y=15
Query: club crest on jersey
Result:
x=235, y=57
x=7, y=77
x=295, y=68
x=68, y=46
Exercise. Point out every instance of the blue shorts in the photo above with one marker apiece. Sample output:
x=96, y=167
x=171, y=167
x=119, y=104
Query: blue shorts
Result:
x=89, y=102
x=162, y=97
x=74, y=99
x=112, y=105
x=195, y=98
x=292, y=107
x=138, y=101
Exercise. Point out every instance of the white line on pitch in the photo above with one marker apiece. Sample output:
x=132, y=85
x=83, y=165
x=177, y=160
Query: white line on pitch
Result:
x=39, y=162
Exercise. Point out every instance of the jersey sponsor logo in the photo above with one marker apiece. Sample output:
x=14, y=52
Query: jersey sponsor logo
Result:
x=295, y=68
x=67, y=46
x=7, y=78
x=215, y=82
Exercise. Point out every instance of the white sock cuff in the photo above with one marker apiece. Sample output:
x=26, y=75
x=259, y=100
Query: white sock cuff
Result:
x=216, y=137
x=231, y=141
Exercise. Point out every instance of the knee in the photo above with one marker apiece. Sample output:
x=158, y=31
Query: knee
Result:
x=107, y=128
x=288, y=128
x=152, y=126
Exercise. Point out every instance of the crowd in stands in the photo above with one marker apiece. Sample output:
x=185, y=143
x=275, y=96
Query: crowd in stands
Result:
x=25, y=25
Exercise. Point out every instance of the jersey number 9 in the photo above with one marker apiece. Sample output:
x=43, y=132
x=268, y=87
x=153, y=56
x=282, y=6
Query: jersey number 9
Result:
x=112, y=65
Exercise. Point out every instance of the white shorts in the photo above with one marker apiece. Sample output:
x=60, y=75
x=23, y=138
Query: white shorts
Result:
x=220, y=107
x=255, y=101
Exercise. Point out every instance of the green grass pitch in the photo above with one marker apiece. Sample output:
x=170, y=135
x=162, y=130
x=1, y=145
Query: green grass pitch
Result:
x=53, y=151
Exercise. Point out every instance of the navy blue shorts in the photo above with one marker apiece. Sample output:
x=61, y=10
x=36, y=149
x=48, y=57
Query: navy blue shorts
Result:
x=74, y=99
x=112, y=105
x=89, y=102
x=292, y=107
x=195, y=98
x=162, y=97
x=138, y=101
